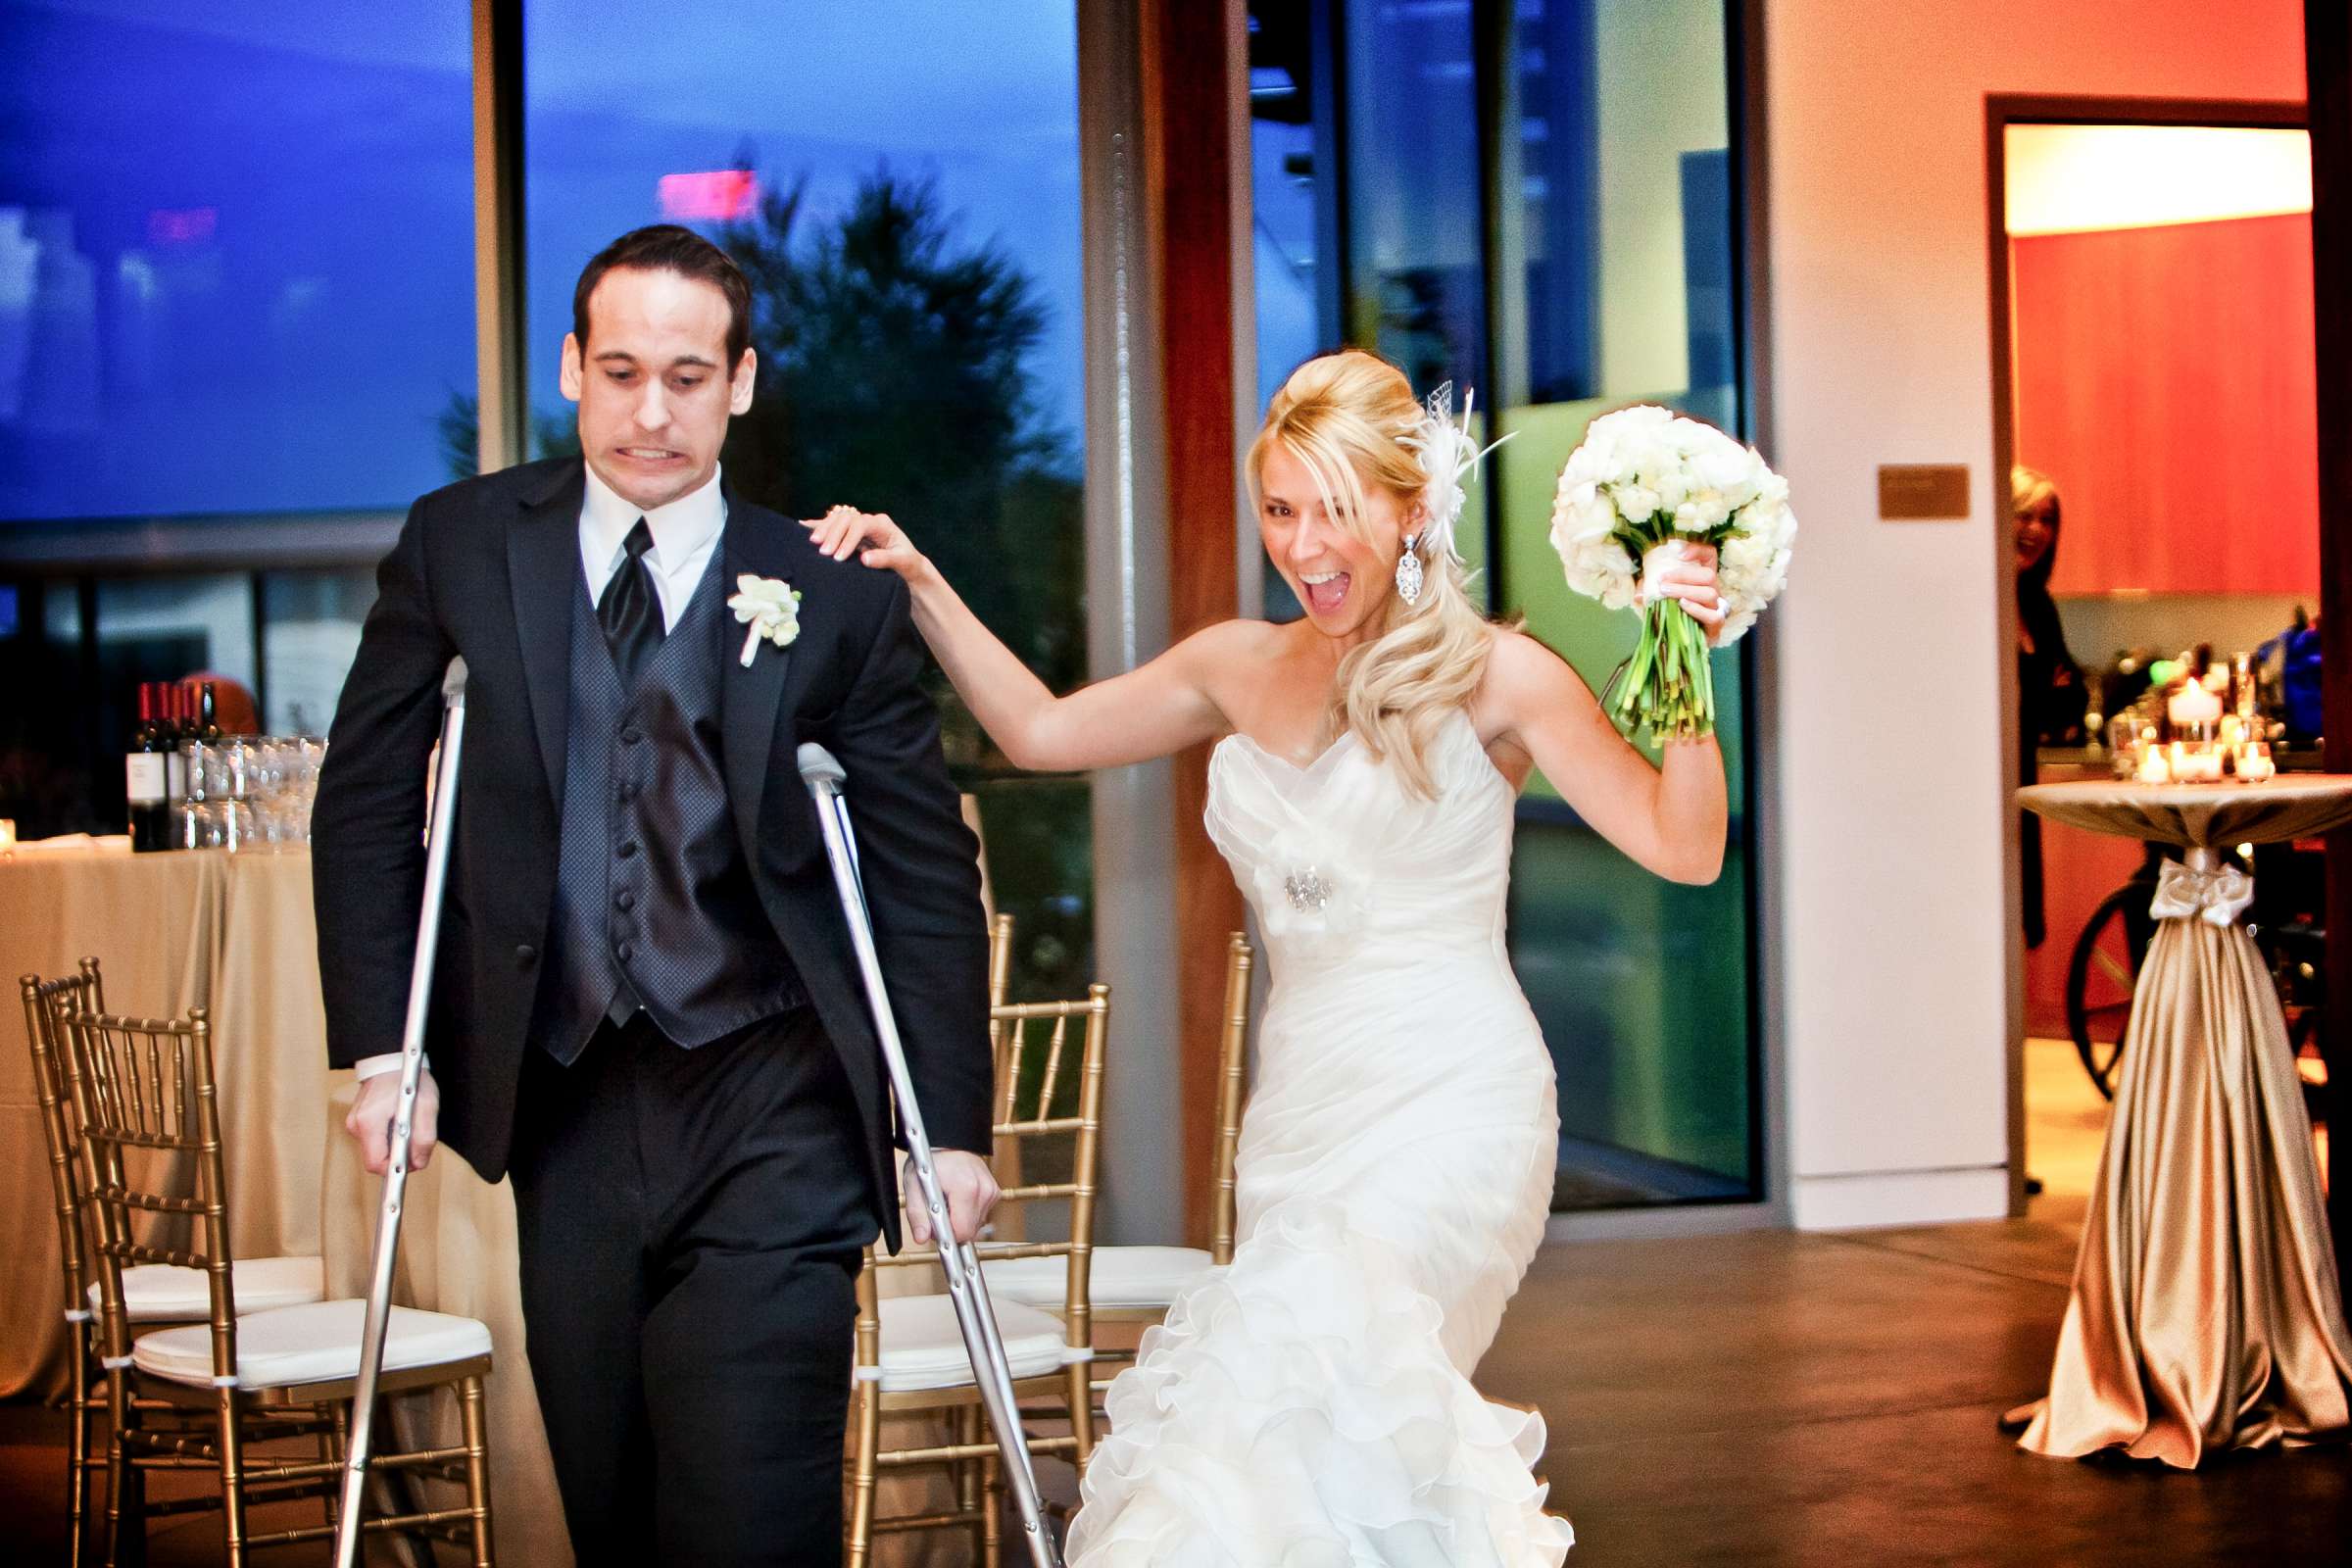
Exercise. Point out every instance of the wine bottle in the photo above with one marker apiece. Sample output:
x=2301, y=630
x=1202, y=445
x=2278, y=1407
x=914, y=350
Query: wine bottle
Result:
x=171, y=730
x=207, y=717
x=145, y=778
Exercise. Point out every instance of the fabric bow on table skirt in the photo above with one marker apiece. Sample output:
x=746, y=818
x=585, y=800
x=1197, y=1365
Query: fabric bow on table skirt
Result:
x=2216, y=895
x=2205, y=1314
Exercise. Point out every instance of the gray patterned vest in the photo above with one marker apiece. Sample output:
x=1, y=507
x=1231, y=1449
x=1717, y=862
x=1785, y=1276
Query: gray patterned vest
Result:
x=655, y=906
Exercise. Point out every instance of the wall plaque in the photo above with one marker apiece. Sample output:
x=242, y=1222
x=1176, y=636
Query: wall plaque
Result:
x=1922, y=492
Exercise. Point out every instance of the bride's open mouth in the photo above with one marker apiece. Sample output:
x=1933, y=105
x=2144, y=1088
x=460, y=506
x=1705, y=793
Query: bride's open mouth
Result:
x=1326, y=591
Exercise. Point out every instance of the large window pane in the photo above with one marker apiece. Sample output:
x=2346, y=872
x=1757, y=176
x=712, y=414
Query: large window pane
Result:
x=1626, y=229
x=900, y=182
x=236, y=277
x=1604, y=216
x=237, y=254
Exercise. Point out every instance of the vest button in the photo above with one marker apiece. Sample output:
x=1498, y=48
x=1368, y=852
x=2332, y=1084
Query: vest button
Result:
x=624, y=952
x=525, y=956
x=624, y=899
x=631, y=736
x=628, y=848
x=628, y=792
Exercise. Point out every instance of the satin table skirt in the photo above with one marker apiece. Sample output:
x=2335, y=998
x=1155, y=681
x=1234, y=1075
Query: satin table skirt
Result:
x=2205, y=1314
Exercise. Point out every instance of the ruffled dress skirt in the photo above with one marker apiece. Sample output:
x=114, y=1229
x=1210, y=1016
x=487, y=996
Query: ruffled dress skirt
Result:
x=1310, y=1406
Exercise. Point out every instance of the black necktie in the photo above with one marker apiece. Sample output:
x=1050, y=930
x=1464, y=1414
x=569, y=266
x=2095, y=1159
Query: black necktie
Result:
x=631, y=610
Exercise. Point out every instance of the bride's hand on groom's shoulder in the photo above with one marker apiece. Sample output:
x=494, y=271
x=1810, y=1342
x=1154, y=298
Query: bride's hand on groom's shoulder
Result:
x=966, y=1182
x=871, y=536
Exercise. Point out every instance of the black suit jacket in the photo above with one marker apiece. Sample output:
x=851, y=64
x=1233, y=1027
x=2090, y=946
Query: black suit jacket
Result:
x=487, y=568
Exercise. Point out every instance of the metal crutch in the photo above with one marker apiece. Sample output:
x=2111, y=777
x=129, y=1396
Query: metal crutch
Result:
x=968, y=1289
x=411, y=1060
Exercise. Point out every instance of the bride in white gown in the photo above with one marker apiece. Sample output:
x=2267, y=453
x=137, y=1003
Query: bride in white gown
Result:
x=1310, y=1406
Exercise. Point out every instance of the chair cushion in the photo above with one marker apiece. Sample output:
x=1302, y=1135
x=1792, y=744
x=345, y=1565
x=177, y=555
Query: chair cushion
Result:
x=923, y=1348
x=315, y=1342
x=1120, y=1277
x=163, y=1293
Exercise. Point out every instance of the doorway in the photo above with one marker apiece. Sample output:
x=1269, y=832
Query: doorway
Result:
x=2154, y=399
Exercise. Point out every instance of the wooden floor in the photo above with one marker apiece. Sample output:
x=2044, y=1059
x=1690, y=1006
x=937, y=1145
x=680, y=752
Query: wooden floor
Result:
x=1831, y=1400
x=1775, y=1398
x=1780, y=1399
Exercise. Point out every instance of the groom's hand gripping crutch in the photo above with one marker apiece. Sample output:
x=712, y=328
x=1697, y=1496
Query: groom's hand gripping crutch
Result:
x=405, y=1114
x=967, y=1289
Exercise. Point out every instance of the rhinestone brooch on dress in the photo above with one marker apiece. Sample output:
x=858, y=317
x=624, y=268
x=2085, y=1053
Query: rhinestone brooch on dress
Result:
x=1307, y=889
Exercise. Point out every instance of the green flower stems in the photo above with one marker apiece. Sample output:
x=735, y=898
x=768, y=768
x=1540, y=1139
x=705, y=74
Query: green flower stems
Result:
x=1669, y=684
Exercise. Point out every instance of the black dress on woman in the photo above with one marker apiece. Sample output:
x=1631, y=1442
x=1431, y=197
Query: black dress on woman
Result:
x=2049, y=708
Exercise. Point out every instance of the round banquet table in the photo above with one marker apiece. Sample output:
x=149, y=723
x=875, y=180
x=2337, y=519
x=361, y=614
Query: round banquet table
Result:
x=2205, y=1313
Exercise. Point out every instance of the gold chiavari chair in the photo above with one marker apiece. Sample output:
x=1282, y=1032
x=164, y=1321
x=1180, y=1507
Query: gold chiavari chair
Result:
x=910, y=1356
x=1137, y=1285
x=154, y=1294
x=144, y=1091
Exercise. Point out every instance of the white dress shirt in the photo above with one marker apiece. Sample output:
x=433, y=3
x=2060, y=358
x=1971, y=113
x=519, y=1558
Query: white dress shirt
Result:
x=685, y=533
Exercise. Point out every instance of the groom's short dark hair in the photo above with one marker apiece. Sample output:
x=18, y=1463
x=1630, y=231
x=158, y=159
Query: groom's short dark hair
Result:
x=669, y=248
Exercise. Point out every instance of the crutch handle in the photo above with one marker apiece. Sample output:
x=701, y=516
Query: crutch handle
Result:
x=820, y=768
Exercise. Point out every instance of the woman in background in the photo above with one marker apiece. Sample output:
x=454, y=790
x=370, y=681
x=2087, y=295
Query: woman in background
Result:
x=2049, y=684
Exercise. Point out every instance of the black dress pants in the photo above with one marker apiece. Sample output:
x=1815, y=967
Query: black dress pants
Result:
x=691, y=1226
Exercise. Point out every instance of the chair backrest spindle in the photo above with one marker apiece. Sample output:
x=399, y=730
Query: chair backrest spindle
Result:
x=1232, y=1068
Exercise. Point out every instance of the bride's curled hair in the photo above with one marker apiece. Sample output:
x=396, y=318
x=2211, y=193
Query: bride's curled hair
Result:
x=1351, y=418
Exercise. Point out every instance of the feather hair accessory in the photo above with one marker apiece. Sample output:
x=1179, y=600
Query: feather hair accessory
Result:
x=1449, y=454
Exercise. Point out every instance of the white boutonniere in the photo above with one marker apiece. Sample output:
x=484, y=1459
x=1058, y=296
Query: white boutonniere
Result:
x=770, y=606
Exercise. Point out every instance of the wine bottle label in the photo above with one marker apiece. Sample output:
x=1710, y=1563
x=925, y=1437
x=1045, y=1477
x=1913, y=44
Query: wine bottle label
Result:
x=144, y=777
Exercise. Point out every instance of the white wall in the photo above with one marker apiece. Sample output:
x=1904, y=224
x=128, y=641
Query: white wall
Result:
x=1888, y=659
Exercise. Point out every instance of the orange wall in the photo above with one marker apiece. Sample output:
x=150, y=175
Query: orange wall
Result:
x=2165, y=382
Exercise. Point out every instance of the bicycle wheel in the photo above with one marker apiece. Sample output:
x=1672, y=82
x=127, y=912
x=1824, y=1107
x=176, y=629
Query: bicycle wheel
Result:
x=2100, y=975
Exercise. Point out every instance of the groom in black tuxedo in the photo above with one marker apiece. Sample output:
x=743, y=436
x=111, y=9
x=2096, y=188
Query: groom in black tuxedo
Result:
x=646, y=1007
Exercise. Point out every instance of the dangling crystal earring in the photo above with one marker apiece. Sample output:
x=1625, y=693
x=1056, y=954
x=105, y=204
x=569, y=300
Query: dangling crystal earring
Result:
x=1408, y=573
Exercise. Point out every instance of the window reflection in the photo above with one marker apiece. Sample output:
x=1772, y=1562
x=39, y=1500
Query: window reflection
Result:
x=251, y=295
x=309, y=635
x=1294, y=210
x=1416, y=288
x=1612, y=241
x=1627, y=227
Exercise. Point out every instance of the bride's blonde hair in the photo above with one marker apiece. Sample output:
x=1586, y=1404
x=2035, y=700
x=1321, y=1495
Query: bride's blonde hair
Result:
x=1349, y=418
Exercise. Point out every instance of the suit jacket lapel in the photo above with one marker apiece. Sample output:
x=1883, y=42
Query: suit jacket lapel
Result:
x=751, y=695
x=543, y=569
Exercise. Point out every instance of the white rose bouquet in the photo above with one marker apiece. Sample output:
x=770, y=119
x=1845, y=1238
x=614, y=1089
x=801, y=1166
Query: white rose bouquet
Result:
x=1647, y=476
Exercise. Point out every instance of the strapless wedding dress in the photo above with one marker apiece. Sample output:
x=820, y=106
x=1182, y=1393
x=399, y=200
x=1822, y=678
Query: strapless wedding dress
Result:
x=1310, y=1406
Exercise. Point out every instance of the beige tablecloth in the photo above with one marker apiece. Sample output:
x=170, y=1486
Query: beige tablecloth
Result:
x=2205, y=1313
x=235, y=933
